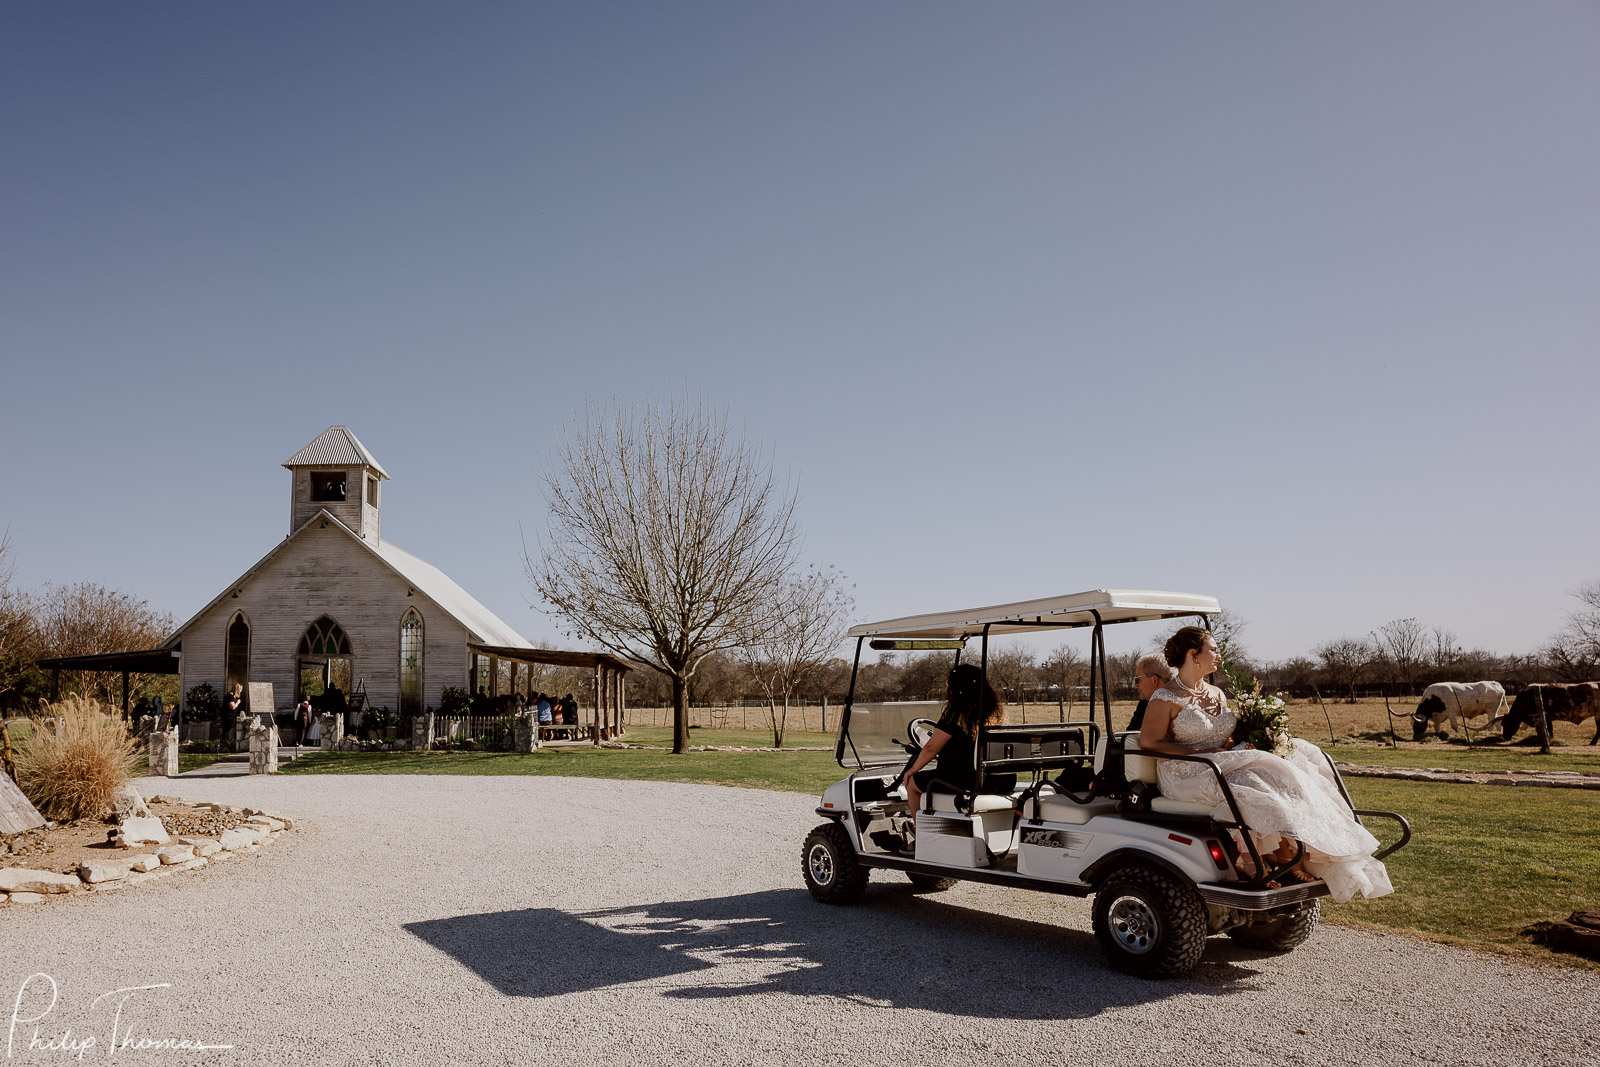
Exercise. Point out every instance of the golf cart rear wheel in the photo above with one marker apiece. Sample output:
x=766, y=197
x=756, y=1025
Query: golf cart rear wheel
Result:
x=1282, y=934
x=828, y=860
x=1149, y=923
x=926, y=883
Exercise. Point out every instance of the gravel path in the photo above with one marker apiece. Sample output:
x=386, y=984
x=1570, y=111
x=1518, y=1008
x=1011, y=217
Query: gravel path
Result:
x=577, y=921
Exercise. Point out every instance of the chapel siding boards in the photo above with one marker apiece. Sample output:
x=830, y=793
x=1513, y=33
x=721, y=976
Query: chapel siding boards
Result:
x=327, y=572
x=351, y=511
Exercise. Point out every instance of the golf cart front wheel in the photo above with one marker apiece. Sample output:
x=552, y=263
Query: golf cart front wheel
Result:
x=1149, y=923
x=1283, y=934
x=828, y=861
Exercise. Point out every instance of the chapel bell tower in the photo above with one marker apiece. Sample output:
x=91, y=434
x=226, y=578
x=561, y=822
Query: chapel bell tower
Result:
x=336, y=473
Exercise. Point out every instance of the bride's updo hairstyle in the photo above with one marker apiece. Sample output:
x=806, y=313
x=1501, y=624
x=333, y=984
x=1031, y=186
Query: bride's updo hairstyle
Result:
x=1186, y=640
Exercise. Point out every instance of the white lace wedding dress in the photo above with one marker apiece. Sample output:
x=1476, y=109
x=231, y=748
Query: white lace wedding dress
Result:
x=1293, y=797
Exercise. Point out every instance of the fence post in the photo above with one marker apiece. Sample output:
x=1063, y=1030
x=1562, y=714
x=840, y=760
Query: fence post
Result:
x=1541, y=723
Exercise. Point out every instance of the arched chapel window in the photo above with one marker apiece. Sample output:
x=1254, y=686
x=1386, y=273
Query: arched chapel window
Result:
x=411, y=663
x=238, y=658
x=324, y=638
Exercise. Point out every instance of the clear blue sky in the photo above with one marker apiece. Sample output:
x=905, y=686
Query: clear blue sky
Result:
x=1295, y=305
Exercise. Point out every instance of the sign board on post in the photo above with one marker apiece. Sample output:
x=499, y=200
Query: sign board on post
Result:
x=261, y=699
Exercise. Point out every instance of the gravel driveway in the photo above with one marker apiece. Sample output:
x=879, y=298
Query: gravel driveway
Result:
x=460, y=920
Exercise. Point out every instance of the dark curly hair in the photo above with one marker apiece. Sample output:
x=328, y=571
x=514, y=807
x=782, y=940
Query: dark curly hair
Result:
x=973, y=699
x=1188, y=639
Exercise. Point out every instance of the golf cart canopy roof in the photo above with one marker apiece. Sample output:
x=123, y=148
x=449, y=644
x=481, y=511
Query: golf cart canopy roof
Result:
x=1078, y=609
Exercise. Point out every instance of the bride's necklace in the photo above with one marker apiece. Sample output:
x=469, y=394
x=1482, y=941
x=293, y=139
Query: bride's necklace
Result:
x=1202, y=696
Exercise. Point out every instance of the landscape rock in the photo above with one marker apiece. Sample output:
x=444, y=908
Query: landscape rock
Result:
x=126, y=802
x=234, y=840
x=105, y=871
x=176, y=854
x=266, y=822
x=147, y=862
x=21, y=880
x=25, y=898
x=145, y=831
x=203, y=846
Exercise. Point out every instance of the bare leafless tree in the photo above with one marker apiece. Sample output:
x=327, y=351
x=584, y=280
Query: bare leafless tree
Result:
x=1066, y=668
x=1443, y=650
x=1344, y=659
x=1404, y=643
x=666, y=533
x=83, y=619
x=1574, y=650
x=1011, y=671
x=800, y=627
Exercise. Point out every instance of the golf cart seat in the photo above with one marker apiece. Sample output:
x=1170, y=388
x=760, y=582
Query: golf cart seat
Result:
x=1056, y=808
x=946, y=803
x=1143, y=769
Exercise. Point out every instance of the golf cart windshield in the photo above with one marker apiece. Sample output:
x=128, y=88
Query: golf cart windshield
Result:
x=879, y=731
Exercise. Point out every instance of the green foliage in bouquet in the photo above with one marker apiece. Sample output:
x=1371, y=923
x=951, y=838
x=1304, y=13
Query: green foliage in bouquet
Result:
x=1263, y=718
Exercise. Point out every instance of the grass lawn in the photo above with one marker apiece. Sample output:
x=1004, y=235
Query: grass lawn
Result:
x=1462, y=758
x=193, y=761
x=1484, y=861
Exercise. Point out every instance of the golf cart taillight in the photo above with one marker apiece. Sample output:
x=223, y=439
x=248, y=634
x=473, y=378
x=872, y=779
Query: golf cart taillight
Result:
x=828, y=805
x=1217, y=856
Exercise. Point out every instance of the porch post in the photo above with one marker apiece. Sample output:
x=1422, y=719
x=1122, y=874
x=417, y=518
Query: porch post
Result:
x=599, y=697
x=124, y=695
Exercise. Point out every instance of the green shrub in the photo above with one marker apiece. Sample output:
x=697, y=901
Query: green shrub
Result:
x=202, y=703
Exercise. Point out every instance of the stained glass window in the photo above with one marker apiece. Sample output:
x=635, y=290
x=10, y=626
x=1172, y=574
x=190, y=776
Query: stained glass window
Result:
x=411, y=663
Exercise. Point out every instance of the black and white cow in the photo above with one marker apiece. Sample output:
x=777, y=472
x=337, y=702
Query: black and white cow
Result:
x=1457, y=701
x=1572, y=702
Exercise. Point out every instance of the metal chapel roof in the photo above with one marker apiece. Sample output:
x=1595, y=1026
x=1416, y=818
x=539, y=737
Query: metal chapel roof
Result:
x=481, y=624
x=335, y=447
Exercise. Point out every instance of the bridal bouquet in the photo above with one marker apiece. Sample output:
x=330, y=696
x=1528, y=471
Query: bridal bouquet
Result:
x=1263, y=719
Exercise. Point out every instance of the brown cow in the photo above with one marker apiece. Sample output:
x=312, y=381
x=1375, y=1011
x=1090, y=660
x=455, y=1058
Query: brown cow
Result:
x=1572, y=702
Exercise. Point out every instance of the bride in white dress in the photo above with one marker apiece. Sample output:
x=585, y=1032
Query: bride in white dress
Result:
x=1295, y=797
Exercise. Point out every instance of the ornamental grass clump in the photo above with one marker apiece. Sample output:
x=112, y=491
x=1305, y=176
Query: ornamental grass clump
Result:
x=71, y=769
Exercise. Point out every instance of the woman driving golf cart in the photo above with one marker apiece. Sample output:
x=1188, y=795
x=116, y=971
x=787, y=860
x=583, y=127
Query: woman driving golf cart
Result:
x=971, y=704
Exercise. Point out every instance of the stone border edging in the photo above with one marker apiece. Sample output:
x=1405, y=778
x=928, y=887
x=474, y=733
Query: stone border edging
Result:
x=24, y=885
x=1541, y=779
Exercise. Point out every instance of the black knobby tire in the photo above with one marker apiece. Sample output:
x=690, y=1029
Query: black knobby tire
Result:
x=828, y=862
x=1283, y=934
x=927, y=883
x=1150, y=923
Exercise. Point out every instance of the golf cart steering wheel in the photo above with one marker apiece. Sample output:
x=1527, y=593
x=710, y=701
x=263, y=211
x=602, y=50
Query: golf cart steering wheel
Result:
x=920, y=730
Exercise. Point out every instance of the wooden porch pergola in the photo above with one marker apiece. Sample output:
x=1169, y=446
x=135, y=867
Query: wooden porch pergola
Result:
x=609, y=696
x=140, y=661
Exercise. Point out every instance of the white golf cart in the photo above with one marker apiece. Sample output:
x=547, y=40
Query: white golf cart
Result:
x=1065, y=807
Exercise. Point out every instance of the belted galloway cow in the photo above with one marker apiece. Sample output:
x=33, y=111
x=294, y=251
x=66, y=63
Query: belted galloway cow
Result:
x=1457, y=701
x=1572, y=702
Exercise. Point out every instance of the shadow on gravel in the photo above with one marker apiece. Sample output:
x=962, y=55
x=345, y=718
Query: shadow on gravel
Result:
x=892, y=949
